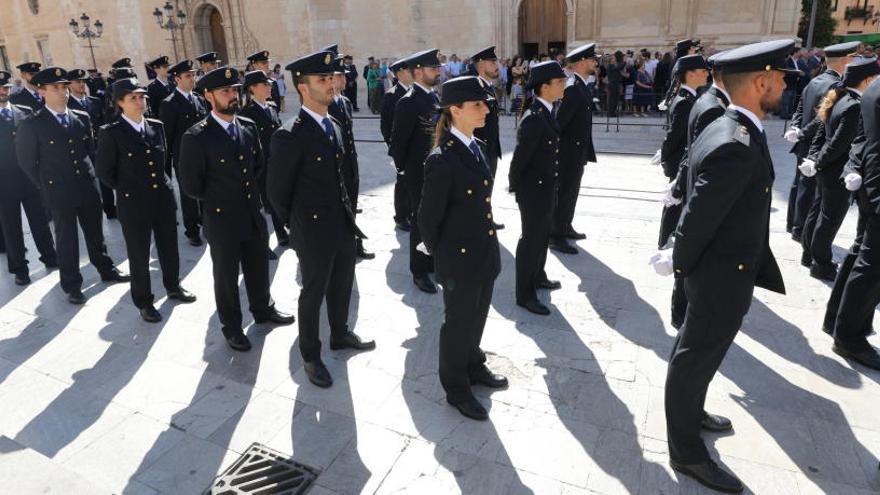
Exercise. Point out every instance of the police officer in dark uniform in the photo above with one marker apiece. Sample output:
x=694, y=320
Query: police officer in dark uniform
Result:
x=840, y=115
x=97, y=85
x=307, y=187
x=803, y=129
x=414, y=118
x=402, y=210
x=130, y=159
x=208, y=61
x=265, y=114
x=28, y=96
x=219, y=164
x=690, y=73
x=455, y=217
x=722, y=249
x=81, y=101
x=17, y=192
x=341, y=109
x=55, y=148
x=260, y=61
x=575, y=117
x=682, y=48
x=120, y=69
x=485, y=63
x=178, y=112
x=160, y=87
x=534, y=176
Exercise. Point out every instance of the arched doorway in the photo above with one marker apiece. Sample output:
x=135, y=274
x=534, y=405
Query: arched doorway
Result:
x=542, y=27
x=211, y=32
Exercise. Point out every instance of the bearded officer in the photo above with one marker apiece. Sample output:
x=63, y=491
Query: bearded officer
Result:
x=160, y=87
x=400, y=69
x=29, y=96
x=220, y=161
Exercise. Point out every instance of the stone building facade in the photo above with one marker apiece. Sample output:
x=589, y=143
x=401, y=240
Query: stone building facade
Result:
x=37, y=30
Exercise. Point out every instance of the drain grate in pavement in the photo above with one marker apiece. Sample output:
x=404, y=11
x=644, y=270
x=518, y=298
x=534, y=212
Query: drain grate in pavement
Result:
x=263, y=471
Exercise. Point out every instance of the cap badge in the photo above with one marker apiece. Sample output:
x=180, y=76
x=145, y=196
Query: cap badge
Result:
x=228, y=74
x=58, y=72
x=327, y=59
x=767, y=67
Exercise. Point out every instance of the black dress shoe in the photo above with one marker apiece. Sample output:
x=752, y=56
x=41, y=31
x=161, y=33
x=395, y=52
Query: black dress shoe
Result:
x=275, y=317
x=404, y=226
x=866, y=357
x=806, y=259
x=563, y=246
x=76, y=297
x=22, y=279
x=713, y=422
x=51, y=265
x=150, y=315
x=676, y=324
x=115, y=276
x=424, y=283
x=181, y=294
x=364, y=254
x=497, y=226
x=358, y=211
x=351, y=341
x=318, y=374
x=796, y=236
x=470, y=408
x=194, y=240
x=486, y=378
x=824, y=272
x=549, y=284
x=575, y=236
x=272, y=256
x=239, y=342
x=535, y=307
x=711, y=475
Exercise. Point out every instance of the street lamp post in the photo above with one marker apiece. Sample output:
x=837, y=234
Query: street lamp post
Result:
x=171, y=22
x=87, y=33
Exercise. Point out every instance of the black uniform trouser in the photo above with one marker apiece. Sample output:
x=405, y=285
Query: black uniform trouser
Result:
x=861, y=292
x=190, y=210
x=806, y=192
x=679, y=301
x=668, y=222
x=829, y=207
x=13, y=234
x=493, y=163
x=326, y=274
x=714, y=315
x=402, y=210
x=531, y=249
x=845, y=268
x=108, y=199
x=351, y=92
x=252, y=255
x=570, y=175
x=277, y=223
x=466, y=306
x=88, y=214
x=419, y=262
x=791, y=212
x=162, y=226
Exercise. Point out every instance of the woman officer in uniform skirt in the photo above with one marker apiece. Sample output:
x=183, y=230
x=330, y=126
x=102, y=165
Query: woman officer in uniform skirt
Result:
x=455, y=218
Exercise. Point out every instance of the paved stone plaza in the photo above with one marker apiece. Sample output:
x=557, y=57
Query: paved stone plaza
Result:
x=95, y=401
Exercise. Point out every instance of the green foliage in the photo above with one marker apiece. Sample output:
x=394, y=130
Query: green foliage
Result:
x=823, y=33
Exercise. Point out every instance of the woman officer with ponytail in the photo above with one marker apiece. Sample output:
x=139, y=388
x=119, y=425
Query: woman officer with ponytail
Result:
x=455, y=220
x=841, y=115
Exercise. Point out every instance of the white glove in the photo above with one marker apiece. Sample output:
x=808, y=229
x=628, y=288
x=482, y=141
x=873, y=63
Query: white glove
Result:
x=853, y=181
x=808, y=168
x=668, y=198
x=422, y=249
x=655, y=160
x=662, y=262
x=793, y=135
x=662, y=106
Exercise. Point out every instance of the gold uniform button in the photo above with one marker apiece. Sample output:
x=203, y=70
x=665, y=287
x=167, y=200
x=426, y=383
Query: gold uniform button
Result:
x=77, y=172
x=487, y=199
x=129, y=155
x=53, y=142
x=249, y=196
x=148, y=152
x=127, y=195
x=578, y=143
x=766, y=189
x=75, y=162
x=70, y=141
x=740, y=267
x=469, y=191
x=218, y=210
x=241, y=157
x=491, y=233
x=72, y=151
x=153, y=174
x=485, y=182
x=540, y=182
x=319, y=159
x=489, y=216
x=51, y=182
x=155, y=186
x=315, y=216
x=678, y=270
x=244, y=170
x=463, y=250
x=555, y=174
x=222, y=161
x=150, y=163
x=557, y=162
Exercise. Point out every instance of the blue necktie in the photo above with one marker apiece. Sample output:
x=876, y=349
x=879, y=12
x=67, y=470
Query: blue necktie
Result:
x=6, y=113
x=62, y=119
x=475, y=149
x=328, y=129
x=232, y=131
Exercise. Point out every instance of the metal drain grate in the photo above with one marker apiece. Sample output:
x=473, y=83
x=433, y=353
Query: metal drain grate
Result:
x=263, y=471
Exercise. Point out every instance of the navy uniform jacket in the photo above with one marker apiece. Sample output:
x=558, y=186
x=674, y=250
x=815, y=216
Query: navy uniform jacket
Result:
x=710, y=106
x=92, y=106
x=725, y=225
x=489, y=133
x=342, y=111
x=389, y=102
x=26, y=99
x=58, y=161
x=222, y=172
x=13, y=182
x=304, y=184
x=178, y=115
x=804, y=117
x=455, y=216
x=267, y=121
x=575, y=119
x=534, y=168
x=674, y=148
x=870, y=159
x=839, y=132
x=133, y=165
x=157, y=93
x=412, y=132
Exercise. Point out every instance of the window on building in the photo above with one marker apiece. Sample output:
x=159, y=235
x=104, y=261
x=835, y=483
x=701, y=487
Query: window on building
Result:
x=45, y=53
x=4, y=59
